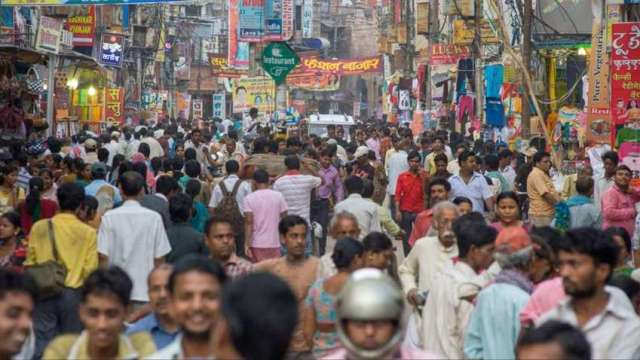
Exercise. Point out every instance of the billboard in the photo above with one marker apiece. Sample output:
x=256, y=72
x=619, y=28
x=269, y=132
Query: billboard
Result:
x=258, y=92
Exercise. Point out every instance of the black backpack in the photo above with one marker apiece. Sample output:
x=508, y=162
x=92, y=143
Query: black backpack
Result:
x=229, y=209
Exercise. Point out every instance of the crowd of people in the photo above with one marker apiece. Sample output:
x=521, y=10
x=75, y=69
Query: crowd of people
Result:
x=167, y=241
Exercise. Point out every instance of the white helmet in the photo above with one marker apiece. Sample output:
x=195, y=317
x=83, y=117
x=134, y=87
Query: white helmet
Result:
x=370, y=295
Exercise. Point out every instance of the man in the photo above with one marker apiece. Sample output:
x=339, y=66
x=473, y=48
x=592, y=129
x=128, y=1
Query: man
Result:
x=154, y=145
x=437, y=147
x=195, y=287
x=586, y=260
x=114, y=147
x=492, y=171
x=553, y=340
x=296, y=189
x=219, y=238
x=494, y=325
x=159, y=323
x=542, y=193
x=133, y=237
x=425, y=149
x=17, y=294
x=166, y=186
x=582, y=210
x=409, y=196
x=373, y=142
x=437, y=191
x=203, y=156
x=369, y=322
x=618, y=203
x=183, y=238
x=263, y=210
x=76, y=249
x=258, y=315
x=344, y=224
x=453, y=167
x=446, y=313
x=395, y=165
x=231, y=151
x=365, y=211
x=298, y=270
x=507, y=171
x=330, y=191
x=471, y=184
x=99, y=175
x=361, y=167
x=604, y=183
x=105, y=299
x=91, y=148
x=430, y=254
x=569, y=186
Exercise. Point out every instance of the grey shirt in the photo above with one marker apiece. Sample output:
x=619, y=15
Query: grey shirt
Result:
x=585, y=215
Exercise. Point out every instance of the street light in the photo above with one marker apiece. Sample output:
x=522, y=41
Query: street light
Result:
x=92, y=91
x=582, y=52
x=72, y=84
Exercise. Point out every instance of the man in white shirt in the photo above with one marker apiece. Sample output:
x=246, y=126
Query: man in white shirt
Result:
x=602, y=184
x=471, y=184
x=133, y=237
x=154, y=145
x=446, y=314
x=114, y=147
x=396, y=165
x=297, y=189
x=364, y=210
x=586, y=259
x=504, y=159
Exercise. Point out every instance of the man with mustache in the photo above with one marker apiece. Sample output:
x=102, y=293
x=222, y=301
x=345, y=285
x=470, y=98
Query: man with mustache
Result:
x=159, y=323
x=195, y=288
x=16, y=305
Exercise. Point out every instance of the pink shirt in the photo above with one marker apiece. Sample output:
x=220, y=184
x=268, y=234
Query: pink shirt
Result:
x=545, y=297
x=404, y=353
x=266, y=206
x=619, y=209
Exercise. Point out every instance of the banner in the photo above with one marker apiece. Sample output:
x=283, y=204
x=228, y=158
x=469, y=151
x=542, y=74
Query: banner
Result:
x=219, y=105
x=182, y=67
x=443, y=54
x=183, y=105
x=198, y=111
x=81, y=2
x=49, y=34
x=625, y=92
x=599, y=126
x=462, y=8
x=258, y=92
x=278, y=20
x=220, y=67
x=313, y=81
x=250, y=20
x=307, y=19
x=341, y=66
x=111, y=50
x=83, y=27
x=422, y=17
x=463, y=33
x=114, y=105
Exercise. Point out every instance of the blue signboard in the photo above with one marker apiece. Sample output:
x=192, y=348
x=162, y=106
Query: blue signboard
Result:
x=111, y=50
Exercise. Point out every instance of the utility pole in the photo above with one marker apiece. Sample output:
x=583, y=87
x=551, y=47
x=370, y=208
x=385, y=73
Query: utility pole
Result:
x=434, y=26
x=409, y=48
x=477, y=60
x=526, y=59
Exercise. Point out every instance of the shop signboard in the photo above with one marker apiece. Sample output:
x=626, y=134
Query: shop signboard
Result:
x=625, y=92
x=111, y=50
x=238, y=51
x=258, y=92
x=278, y=59
x=49, y=34
x=463, y=33
x=220, y=67
x=183, y=105
x=250, y=20
x=198, y=111
x=443, y=54
x=313, y=81
x=599, y=125
x=462, y=8
x=182, y=67
x=114, y=105
x=219, y=104
x=278, y=15
x=83, y=27
x=341, y=66
x=307, y=19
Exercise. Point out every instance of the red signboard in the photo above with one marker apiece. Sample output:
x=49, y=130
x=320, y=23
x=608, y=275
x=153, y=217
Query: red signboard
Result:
x=442, y=54
x=341, y=66
x=83, y=27
x=114, y=105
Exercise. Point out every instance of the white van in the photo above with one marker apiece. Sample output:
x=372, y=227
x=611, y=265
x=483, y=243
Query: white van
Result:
x=318, y=123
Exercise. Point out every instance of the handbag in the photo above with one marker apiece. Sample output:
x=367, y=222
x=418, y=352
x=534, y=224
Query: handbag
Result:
x=48, y=276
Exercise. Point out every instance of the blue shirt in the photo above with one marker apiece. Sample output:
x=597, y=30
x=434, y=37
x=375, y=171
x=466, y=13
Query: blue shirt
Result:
x=93, y=188
x=150, y=324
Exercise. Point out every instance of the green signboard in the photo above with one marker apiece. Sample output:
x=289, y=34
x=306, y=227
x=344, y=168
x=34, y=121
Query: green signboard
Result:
x=278, y=59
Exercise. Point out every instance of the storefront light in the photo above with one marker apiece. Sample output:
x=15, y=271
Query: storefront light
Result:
x=72, y=84
x=92, y=91
x=582, y=52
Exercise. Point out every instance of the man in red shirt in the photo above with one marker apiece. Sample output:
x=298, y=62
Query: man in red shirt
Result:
x=438, y=190
x=409, y=197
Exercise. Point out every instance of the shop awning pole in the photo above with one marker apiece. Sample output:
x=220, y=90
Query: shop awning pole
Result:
x=51, y=72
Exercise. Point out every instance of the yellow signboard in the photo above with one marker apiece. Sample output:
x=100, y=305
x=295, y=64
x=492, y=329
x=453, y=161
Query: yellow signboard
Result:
x=464, y=33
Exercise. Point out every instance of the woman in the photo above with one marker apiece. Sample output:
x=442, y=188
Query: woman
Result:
x=35, y=207
x=465, y=206
x=113, y=175
x=320, y=311
x=83, y=173
x=10, y=193
x=507, y=211
x=180, y=151
x=68, y=175
x=624, y=264
x=379, y=253
x=50, y=188
x=12, y=251
x=88, y=212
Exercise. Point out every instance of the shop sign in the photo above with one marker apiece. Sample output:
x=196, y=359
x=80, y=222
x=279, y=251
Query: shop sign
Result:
x=83, y=27
x=422, y=17
x=625, y=92
x=111, y=50
x=342, y=66
x=182, y=67
x=443, y=54
x=463, y=33
x=220, y=67
x=219, y=104
x=278, y=59
x=462, y=8
x=114, y=105
x=313, y=81
x=258, y=92
x=49, y=34
x=250, y=21
x=67, y=39
x=599, y=126
x=198, y=112
x=404, y=100
x=307, y=19
x=278, y=16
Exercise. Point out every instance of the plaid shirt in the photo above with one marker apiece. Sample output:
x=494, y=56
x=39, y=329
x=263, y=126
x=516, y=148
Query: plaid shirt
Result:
x=236, y=267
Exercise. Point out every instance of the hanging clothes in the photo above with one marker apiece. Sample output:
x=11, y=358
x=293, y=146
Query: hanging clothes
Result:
x=466, y=105
x=495, y=112
x=494, y=76
x=465, y=78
